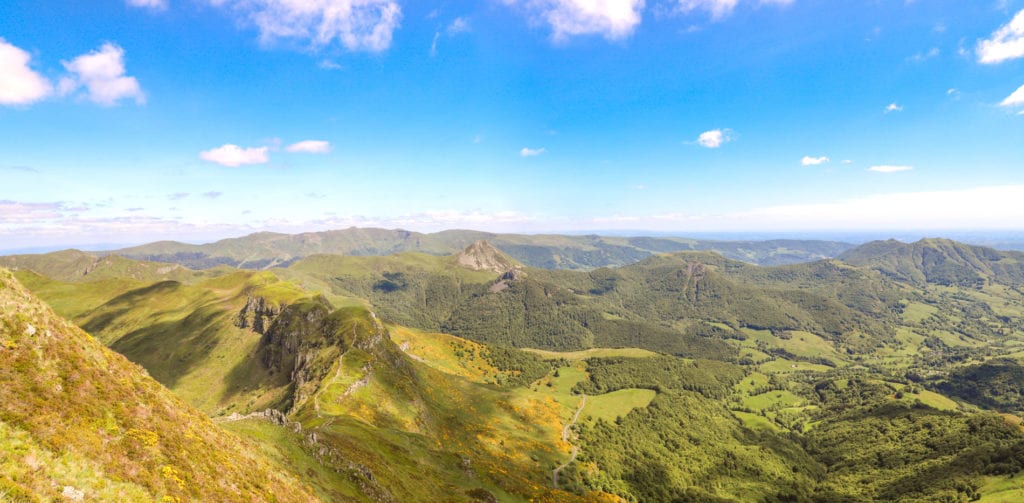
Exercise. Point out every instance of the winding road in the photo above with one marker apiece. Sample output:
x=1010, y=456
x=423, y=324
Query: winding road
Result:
x=565, y=438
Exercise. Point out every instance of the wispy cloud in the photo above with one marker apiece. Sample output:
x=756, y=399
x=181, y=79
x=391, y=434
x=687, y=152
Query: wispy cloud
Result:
x=102, y=73
x=233, y=156
x=532, y=152
x=813, y=161
x=358, y=25
x=24, y=169
x=893, y=107
x=714, y=138
x=888, y=168
x=149, y=4
x=720, y=9
x=329, y=64
x=19, y=84
x=310, y=147
x=1004, y=44
x=213, y=194
x=457, y=26
x=924, y=56
x=177, y=196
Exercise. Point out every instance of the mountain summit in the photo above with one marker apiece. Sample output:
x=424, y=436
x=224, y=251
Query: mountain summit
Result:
x=483, y=256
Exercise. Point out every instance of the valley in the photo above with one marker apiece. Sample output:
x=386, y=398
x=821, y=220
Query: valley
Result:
x=684, y=376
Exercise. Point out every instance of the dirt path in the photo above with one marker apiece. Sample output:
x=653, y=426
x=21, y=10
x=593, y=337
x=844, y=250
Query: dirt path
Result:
x=565, y=438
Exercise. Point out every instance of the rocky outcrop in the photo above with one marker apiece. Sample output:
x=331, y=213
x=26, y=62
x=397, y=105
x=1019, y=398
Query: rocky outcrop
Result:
x=482, y=256
x=257, y=315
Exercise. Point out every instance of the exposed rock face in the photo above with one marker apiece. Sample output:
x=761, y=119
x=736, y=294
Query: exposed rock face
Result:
x=257, y=315
x=482, y=256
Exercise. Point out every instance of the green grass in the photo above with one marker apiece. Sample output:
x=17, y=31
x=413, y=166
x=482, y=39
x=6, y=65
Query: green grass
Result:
x=592, y=353
x=796, y=342
x=773, y=400
x=616, y=404
x=751, y=382
x=783, y=366
x=1002, y=489
x=916, y=312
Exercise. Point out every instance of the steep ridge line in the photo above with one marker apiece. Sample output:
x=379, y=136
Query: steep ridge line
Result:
x=565, y=438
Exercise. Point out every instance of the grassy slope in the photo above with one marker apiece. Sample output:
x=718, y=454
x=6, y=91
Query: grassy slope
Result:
x=185, y=335
x=77, y=414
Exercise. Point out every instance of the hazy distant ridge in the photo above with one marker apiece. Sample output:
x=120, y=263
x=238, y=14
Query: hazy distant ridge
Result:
x=549, y=251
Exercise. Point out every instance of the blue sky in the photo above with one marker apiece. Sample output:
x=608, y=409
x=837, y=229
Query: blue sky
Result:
x=125, y=121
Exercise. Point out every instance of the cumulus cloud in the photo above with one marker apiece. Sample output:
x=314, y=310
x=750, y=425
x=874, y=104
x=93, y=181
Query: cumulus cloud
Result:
x=149, y=4
x=1015, y=99
x=103, y=75
x=714, y=138
x=1006, y=43
x=532, y=152
x=611, y=19
x=359, y=25
x=234, y=156
x=893, y=107
x=310, y=147
x=19, y=84
x=888, y=168
x=813, y=161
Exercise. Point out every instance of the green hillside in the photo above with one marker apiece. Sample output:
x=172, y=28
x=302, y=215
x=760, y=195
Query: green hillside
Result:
x=939, y=262
x=80, y=421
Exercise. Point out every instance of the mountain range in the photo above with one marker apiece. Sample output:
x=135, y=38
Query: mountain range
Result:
x=889, y=371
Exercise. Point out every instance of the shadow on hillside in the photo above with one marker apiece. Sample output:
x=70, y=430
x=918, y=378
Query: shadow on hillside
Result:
x=169, y=350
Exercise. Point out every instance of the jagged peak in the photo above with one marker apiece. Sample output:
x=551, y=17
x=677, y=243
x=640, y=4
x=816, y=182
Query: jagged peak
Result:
x=483, y=256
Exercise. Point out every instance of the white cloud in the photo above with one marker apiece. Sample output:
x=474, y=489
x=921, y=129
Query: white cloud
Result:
x=612, y=19
x=923, y=56
x=1005, y=43
x=359, y=25
x=714, y=138
x=814, y=161
x=310, y=147
x=717, y=8
x=720, y=9
x=887, y=168
x=102, y=74
x=329, y=64
x=993, y=207
x=459, y=25
x=149, y=4
x=1017, y=98
x=893, y=107
x=234, y=156
x=976, y=208
x=847, y=161
x=532, y=152
x=19, y=84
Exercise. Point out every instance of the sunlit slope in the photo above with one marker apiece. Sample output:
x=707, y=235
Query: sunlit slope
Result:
x=78, y=420
x=198, y=339
x=940, y=262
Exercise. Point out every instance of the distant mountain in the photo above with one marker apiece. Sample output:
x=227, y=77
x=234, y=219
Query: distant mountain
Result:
x=79, y=422
x=939, y=261
x=264, y=250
